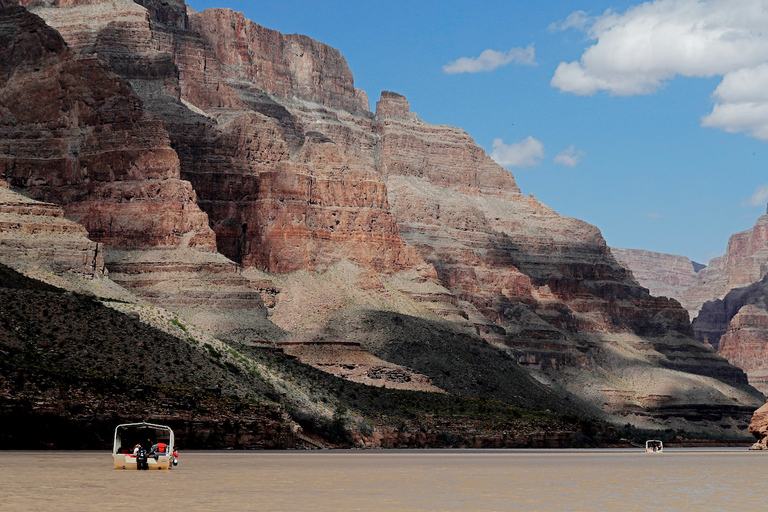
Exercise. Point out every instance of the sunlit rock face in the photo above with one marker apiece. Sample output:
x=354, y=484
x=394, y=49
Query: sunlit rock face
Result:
x=505, y=252
x=745, y=262
x=240, y=103
x=32, y=229
x=75, y=134
x=665, y=275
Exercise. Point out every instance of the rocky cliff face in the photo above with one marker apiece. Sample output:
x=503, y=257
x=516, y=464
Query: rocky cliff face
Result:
x=745, y=262
x=74, y=134
x=280, y=195
x=725, y=299
x=737, y=326
x=665, y=275
x=32, y=229
x=267, y=134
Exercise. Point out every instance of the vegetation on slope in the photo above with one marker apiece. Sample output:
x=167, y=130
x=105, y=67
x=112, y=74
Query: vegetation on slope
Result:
x=72, y=367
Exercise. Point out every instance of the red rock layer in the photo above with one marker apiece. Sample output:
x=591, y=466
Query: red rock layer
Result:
x=745, y=344
x=280, y=196
x=31, y=229
x=290, y=66
x=745, y=262
x=74, y=134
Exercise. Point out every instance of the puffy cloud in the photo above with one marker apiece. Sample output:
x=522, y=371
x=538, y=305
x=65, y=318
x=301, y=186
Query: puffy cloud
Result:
x=521, y=154
x=742, y=103
x=490, y=60
x=570, y=157
x=759, y=198
x=578, y=19
x=637, y=51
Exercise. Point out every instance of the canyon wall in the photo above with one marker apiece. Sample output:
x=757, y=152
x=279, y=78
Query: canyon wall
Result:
x=171, y=135
x=665, y=275
x=726, y=300
x=745, y=262
x=737, y=327
x=39, y=231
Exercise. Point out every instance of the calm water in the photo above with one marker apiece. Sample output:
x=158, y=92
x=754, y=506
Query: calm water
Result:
x=683, y=479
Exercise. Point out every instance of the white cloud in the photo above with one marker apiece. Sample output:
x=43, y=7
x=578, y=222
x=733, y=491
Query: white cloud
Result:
x=637, y=51
x=578, y=19
x=521, y=154
x=570, y=157
x=759, y=198
x=490, y=60
x=742, y=102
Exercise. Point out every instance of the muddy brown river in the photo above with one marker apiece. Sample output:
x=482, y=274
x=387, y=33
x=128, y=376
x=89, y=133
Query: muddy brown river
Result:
x=463, y=480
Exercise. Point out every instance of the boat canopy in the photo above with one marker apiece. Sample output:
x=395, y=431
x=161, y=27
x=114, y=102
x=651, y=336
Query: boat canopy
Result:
x=128, y=435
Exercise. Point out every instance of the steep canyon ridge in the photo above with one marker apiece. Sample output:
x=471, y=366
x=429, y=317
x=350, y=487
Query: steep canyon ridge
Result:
x=229, y=187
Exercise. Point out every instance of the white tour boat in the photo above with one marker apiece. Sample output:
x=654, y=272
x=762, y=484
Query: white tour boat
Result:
x=143, y=446
x=654, y=446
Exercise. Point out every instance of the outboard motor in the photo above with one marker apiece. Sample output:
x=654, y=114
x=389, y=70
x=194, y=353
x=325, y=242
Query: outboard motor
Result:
x=141, y=459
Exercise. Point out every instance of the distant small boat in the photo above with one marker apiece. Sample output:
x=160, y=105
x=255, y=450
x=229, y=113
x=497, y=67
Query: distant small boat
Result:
x=654, y=446
x=143, y=446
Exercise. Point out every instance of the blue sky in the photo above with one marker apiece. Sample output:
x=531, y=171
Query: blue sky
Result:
x=648, y=120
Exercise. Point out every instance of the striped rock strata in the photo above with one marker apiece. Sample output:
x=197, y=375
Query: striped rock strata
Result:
x=665, y=275
x=37, y=230
x=75, y=134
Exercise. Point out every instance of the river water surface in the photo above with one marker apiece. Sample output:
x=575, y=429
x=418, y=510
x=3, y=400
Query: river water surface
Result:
x=424, y=480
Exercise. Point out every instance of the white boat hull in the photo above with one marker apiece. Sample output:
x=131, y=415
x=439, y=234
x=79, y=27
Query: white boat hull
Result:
x=129, y=462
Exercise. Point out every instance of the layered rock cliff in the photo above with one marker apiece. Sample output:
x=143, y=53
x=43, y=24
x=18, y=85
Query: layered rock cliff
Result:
x=39, y=231
x=737, y=327
x=267, y=134
x=665, y=275
x=745, y=262
x=76, y=135
x=726, y=299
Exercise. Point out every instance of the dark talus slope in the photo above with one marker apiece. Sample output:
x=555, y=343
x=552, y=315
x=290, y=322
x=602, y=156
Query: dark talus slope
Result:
x=71, y=369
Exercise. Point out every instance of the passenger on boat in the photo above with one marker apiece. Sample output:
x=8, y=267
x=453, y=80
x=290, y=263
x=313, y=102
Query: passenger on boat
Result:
x=141, y=458
x=136, y=449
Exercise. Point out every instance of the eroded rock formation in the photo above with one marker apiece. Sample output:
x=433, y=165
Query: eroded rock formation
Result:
x=737, y=326
x=745, y=262
x=74, y=134
x=37, y=230
x=267, y=134
x=665, y=275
